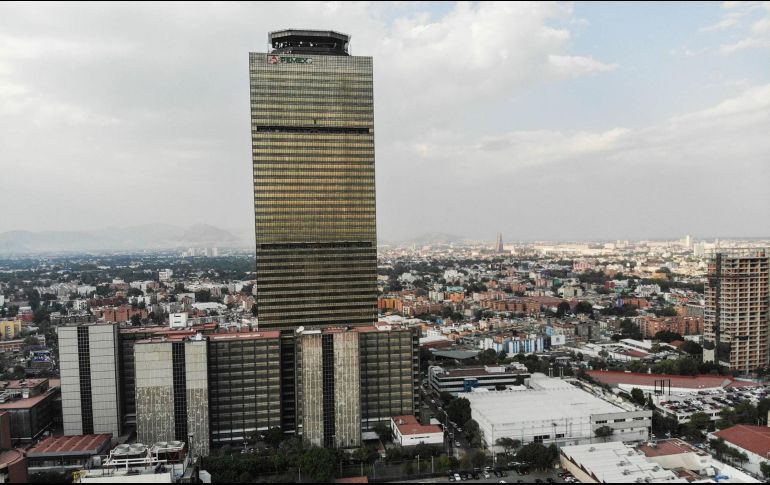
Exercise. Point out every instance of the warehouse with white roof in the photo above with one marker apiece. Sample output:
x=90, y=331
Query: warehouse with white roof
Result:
x=552, y=410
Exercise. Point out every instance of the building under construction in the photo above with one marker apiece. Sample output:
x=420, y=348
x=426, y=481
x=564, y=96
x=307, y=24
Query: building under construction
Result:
x=737, y=309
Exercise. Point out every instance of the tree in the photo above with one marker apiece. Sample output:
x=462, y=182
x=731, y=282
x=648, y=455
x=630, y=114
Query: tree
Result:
x=655, y=348
x=273, y=436
x=383, y=431
x=487, y=357
x=459, y=410
x=584, y=307
x=508, y=444
x=692, y=348
x=604, y=432
x=637, y=395
x=535, y=455
x=319, y=464
x=667, y=336
x=699, y=422
x=719, y=446
x=562, y=309
x=472, y=432
x=366, y=454
x=764, y=467
x=136, y=320
x=668, y=311
x=661, y=424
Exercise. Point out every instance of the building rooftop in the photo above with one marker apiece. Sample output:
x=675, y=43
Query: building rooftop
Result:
x=521, y=404
x=10, y=457
x=613, y=378
x=306, y=41
x=89, y=444
x=616, y=462
x=667, y=448
x=29, y=402
x=480, y=371
x=755, y=439
x=408, y=425
x=272, y=334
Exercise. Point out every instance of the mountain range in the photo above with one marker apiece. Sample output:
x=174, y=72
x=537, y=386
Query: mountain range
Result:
x=141, y=237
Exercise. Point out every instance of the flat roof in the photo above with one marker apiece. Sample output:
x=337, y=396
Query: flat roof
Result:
x=29, y=402
x=272, y=334
x=480, y=371
x=456, y=354
x=88, y=444
x=615, y=462
x=667, y=448
x=516, y=405
x=613, y=378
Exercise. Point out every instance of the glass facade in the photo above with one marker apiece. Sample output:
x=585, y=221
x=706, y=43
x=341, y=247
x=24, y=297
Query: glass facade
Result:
x=312, y=119
x=244, y=386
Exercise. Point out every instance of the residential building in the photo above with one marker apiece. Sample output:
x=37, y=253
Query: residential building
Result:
x=737, y=309
x=10, y=328
x=683, y=325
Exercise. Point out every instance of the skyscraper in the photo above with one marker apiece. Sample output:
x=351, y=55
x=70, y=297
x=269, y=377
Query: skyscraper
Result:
x=737, y=310
x=499, y=244
x=312, y=120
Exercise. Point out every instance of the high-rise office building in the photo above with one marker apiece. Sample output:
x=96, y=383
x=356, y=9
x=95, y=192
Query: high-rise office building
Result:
x=244, y=385
x=312, y=121
x=737, y=310
x=89, y=360
x=172, y=401
x=499, y=245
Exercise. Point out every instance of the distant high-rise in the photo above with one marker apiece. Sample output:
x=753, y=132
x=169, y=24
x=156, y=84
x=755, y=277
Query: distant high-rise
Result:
x=312, y=126
x=736, y=314
x=499, y=245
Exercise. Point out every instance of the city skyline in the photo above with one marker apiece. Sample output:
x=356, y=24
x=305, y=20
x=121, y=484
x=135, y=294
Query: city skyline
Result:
x=638, y=123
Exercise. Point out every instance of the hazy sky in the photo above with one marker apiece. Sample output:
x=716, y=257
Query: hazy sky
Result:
x=542, y=121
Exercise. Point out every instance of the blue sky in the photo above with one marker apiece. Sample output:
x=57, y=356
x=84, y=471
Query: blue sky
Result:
x=539, y=120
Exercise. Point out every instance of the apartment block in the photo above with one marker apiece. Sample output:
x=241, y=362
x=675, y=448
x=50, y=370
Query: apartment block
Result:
x=737, y=309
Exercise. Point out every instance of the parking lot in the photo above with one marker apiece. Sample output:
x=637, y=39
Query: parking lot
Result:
x=509, y=477
x=682, y=406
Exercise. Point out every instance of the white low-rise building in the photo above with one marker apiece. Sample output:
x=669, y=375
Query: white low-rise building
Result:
x=552, y=410
x=613, y=463
x=409, y=432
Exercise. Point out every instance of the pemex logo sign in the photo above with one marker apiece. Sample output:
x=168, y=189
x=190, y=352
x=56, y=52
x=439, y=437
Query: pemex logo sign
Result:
x=289, y=60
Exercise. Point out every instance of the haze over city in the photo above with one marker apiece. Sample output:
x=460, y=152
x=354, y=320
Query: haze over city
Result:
x=540, y=121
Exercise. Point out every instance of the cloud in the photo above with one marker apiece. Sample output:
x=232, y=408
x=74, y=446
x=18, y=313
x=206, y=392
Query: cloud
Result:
x=728, y=21
x=754, y=35
x=138, y=113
